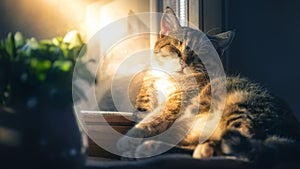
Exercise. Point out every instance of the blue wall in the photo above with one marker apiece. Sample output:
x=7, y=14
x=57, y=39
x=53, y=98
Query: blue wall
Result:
x=267, y=45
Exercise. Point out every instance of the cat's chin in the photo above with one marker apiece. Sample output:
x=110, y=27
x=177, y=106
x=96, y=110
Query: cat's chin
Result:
x=179, y=72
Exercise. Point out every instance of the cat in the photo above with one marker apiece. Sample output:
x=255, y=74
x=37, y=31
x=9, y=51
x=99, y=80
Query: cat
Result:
x=254, y=126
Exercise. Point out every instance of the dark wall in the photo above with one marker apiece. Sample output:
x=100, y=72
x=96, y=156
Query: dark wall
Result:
x=267, y=44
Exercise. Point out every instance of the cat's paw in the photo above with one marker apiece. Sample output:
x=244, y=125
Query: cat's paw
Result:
x=204, y=150
x=151, y=148
x=231, y=144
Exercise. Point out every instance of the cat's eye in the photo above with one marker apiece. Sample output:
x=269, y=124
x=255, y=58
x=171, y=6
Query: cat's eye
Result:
x=237, y=124
x=204, y=103
x=156, y=51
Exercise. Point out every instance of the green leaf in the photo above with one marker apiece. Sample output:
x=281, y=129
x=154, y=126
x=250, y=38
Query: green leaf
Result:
x=40, y=65
x=54, y=49
x=33, y=43
x=64, y=66
x=10, y=46
x=65, y=49
x=3, y=52
x=74, y=39
x=20, y=40
x=46, y=42
x=57, y=41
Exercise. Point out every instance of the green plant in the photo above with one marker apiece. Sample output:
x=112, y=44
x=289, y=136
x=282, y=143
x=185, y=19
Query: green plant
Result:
x=39, y=73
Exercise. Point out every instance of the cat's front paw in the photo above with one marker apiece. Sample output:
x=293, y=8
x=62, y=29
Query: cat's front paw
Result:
x=151, y=148
x=205, y=150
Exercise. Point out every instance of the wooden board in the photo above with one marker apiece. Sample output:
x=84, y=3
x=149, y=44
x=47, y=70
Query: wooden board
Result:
x=99, y=125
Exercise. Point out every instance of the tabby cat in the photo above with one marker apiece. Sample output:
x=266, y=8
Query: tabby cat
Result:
x=254, y=125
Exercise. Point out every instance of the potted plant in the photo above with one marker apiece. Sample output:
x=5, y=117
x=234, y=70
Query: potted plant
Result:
x=36, y=84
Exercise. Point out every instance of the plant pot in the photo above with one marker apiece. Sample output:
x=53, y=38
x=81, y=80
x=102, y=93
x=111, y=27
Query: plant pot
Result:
x=10, y=137
x=48, y=139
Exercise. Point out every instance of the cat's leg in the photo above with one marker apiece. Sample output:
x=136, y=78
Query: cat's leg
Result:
x=153, y=124
x=135, y=136
x=232, y=143
x=151, y=148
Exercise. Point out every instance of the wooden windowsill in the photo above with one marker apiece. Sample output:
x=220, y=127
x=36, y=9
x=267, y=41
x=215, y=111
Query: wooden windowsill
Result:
x=99, y=124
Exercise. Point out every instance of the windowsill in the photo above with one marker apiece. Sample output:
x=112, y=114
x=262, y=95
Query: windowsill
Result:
x=169, y=161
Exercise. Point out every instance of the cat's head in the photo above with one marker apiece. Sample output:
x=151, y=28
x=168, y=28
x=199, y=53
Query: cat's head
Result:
x=176, y=44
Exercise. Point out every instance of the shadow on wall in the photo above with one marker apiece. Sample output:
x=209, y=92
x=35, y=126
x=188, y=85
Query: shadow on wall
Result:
x=40, y=18
x=49, y=18
x=266, y=48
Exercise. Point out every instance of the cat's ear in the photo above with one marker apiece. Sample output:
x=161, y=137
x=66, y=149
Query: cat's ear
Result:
x=222, y=41
x=169, y=22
